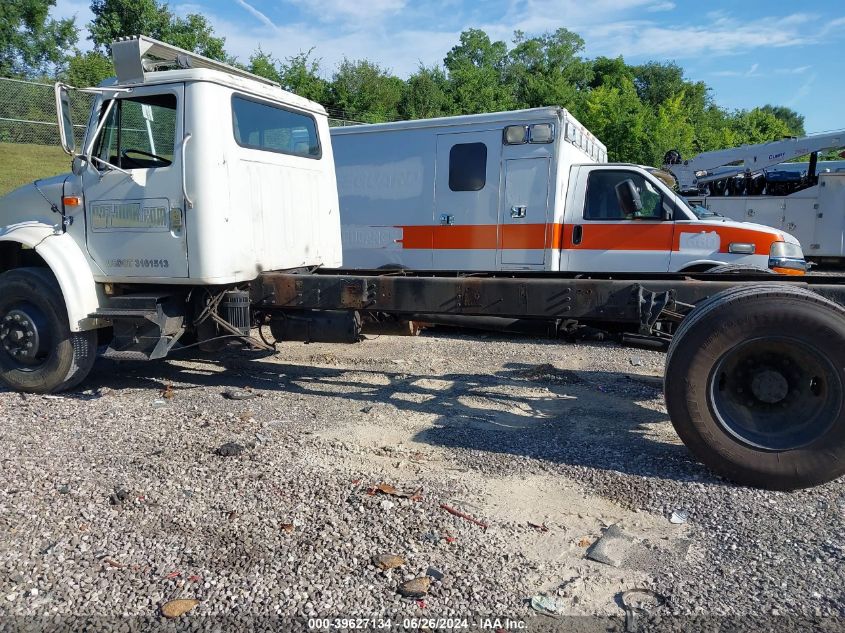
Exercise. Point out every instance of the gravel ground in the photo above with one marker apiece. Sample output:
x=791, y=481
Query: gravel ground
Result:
x=118, y=498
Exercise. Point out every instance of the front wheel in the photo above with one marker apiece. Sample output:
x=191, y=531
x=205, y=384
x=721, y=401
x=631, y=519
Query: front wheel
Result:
x=38, y=352
x=755, y=386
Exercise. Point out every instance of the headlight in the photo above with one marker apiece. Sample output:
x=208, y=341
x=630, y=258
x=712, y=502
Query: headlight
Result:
x=787, y=259
x=785, y=249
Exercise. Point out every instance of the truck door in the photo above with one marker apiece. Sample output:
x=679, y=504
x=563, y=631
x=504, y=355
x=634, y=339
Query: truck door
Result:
x=524, y=227
x=601, y=236
x=136, y=223
x=466, y=200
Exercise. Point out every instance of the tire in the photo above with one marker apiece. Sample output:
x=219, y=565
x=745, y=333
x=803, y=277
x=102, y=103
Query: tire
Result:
x=61, y=359
x=755, y=386
x=740, y=269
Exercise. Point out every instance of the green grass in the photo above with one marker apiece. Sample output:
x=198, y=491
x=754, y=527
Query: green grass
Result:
x=20, y=164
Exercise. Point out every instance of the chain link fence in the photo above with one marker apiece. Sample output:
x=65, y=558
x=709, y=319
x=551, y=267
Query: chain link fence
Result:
x=28, y=113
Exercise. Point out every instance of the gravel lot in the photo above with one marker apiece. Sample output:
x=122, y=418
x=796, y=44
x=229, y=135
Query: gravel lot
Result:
x=115, y=500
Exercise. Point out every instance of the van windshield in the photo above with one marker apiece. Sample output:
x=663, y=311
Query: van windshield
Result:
x=702, y=213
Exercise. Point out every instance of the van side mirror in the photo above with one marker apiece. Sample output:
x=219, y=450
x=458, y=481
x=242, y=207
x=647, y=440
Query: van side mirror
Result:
x=629, y=198
x=66, y=135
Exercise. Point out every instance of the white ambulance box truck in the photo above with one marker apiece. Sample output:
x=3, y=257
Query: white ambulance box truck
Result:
x=523, y=190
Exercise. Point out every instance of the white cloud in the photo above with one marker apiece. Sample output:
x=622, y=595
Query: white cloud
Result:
x=340, y=10
x=257, y=14
x=802, y=92
x=626, y=27
x=751, y=72
x=661, y=6
x=798, y=70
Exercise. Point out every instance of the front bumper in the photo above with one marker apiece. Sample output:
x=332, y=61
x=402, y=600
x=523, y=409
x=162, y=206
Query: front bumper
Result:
x=789, y=265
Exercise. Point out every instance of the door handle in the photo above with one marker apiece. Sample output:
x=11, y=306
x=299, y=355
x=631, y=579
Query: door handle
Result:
x=577, y=234
x=447, y=219
x=188, y=202
x=518, y=211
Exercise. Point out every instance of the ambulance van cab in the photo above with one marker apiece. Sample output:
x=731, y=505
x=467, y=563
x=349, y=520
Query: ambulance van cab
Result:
x=524, y=190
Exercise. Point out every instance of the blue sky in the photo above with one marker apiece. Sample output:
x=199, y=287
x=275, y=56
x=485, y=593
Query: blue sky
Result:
x=751, y=53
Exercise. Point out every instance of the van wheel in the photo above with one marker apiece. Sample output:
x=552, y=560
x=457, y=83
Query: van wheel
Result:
x=755, y=386
x=38, y=352
x=740, y=269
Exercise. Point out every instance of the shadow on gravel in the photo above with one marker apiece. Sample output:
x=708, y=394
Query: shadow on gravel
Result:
x=594, y=419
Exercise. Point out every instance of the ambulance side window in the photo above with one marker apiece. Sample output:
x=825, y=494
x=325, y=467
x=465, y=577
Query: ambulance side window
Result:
x=602, y=202
x=468, y=167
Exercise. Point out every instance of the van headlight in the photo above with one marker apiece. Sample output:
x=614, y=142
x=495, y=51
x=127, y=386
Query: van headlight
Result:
x=787, y=258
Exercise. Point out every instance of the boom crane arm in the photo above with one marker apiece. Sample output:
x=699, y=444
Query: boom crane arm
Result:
x=716, y=165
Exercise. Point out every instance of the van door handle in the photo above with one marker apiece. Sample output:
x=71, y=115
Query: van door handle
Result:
x=447, y=219
x=518, y=211
x=577, y=234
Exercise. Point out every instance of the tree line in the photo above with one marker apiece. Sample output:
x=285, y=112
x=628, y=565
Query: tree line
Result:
x=639, y=111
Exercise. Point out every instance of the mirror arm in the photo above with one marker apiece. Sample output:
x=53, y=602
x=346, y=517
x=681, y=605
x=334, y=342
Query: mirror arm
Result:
x=107, y=164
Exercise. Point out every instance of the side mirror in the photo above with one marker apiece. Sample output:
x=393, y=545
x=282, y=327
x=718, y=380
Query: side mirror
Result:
x=77, y=166
x=66, y=135
x=629, y=198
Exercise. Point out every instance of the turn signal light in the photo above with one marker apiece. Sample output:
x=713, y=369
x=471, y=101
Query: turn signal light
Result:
x=72, y=201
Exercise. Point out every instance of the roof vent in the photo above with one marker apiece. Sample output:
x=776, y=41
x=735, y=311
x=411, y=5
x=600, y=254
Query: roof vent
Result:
x=135, y=56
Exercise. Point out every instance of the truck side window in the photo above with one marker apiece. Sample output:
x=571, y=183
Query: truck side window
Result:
x=140, y=132
x=259, y=125
x=602, y=203
x=468, y=167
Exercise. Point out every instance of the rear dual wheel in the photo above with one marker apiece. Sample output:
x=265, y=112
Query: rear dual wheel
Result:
x=38, y=352
x=755, y=386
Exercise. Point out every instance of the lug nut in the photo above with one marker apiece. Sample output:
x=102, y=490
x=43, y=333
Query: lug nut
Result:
x=29, y=345
x=17, y=317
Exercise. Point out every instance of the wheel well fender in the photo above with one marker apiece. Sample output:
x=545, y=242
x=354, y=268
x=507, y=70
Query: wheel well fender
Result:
x=61, y=254
x=700, y=266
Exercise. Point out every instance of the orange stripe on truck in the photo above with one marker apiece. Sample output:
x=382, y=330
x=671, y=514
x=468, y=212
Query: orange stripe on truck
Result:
x=607, y=237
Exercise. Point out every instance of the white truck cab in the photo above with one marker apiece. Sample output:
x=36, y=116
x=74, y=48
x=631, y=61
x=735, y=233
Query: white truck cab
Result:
x=191, y=173
x=524, y=190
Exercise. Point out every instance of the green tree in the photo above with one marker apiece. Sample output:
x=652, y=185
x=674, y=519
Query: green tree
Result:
x=671, y=129
x=426, y=94
x=476, y=69
x=194, y=33
x=547, y=70
x=264, y=65
x=366, y=91
x=757, y=126
x=301, y=75
x=32, y=43
x=88, y=69
x=620, y=120
x=657, y=82
x=611, y=72
x=120, y=18
x=794, y=121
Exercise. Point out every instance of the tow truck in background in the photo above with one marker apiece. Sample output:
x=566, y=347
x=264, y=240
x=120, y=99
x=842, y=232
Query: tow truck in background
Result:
x=756, y=183
x=202, y=207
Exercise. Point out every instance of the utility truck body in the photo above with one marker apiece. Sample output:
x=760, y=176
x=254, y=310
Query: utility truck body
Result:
x=202, y=208
x=815, y=215
x=753, y=183
x=522, y=190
